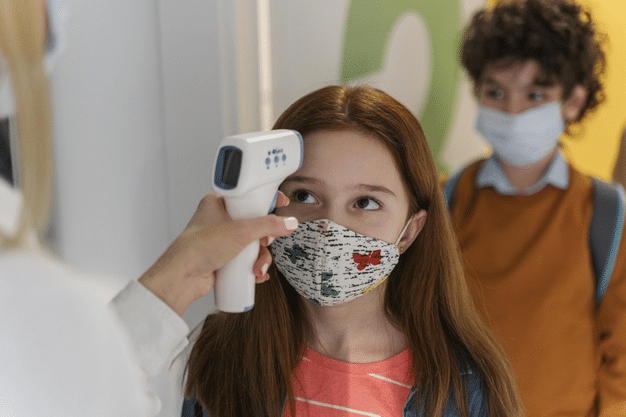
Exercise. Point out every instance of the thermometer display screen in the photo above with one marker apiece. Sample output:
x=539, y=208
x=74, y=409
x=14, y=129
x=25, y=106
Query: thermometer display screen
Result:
x=228, y=167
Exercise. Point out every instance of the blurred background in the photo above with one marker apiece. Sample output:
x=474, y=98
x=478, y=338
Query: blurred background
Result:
x=143, y=92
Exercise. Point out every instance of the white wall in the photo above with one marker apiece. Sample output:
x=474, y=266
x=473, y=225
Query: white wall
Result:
x=195, y=109
x=192, y=101
x=138, y=116
x=111, y=201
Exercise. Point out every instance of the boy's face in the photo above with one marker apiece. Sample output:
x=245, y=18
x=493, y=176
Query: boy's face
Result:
x=516, y=88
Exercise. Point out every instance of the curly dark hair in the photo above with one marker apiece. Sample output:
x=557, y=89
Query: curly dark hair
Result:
x=559, y=34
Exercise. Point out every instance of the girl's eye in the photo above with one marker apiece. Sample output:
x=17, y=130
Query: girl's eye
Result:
x=367, y=203
x=302, y=196
x=536, y=96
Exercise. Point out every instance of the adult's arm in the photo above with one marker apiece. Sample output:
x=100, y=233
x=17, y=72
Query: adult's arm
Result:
x=151, y=308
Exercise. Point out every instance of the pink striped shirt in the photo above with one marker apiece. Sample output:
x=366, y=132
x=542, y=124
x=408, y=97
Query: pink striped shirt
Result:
x=327, y=387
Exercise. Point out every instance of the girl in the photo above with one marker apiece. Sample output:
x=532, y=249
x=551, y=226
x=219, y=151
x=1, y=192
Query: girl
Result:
x=367, y=309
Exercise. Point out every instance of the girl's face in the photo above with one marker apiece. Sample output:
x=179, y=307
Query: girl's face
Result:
x=352, y=179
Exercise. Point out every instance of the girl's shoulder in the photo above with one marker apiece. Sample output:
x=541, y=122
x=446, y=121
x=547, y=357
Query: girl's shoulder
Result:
x=476, y=405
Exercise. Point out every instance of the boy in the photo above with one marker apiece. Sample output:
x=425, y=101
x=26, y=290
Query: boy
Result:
x=523, y=215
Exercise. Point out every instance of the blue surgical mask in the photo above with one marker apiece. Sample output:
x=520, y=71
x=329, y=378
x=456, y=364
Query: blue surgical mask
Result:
x=522, y=139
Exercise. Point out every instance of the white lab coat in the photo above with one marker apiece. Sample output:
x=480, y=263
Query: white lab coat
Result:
x=62, y=353
x=159, y=338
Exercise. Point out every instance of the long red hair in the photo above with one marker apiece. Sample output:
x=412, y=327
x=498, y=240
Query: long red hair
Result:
x=241, y=364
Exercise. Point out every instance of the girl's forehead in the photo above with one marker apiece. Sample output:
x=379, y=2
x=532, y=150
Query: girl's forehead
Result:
x=347, y=158
x=328, y=147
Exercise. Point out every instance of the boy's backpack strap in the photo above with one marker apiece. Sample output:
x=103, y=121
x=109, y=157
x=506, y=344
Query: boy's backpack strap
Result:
x=605, y=233
x=450, y=186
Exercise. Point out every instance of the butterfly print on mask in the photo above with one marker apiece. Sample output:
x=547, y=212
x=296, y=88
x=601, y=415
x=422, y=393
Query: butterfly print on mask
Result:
x=327, y=289
x=296, y=252
x=372, y=258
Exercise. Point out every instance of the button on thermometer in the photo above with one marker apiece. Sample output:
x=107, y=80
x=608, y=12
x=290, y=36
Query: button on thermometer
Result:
x=248, y=170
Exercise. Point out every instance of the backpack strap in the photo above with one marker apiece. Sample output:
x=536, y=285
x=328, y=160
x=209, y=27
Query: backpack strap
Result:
x=450, y=186
x=605, y=232
x=192, y=408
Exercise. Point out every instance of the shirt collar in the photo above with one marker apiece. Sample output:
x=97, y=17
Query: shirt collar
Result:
x=492, y=175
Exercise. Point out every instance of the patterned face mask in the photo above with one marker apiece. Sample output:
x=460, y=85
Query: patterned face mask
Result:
x=330, y=264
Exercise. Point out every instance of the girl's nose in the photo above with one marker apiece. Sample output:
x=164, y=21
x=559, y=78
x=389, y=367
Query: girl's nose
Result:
x=335, y=214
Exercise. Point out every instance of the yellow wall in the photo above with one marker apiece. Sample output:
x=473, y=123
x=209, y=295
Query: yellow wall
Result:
x=594, y=149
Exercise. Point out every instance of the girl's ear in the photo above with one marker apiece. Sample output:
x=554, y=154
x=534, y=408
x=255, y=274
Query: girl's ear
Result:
x=415, y=226
x=573, y=106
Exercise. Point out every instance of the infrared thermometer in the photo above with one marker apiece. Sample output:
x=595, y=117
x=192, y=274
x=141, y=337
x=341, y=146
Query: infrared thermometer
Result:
x=248, y=170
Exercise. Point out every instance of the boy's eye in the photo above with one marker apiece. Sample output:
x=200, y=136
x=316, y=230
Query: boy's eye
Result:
x=367, y=203
x=302, y=196
x=495, y=93
x=536, y=96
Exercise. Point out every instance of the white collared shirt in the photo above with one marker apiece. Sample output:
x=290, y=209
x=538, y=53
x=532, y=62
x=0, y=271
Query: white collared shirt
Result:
x=492, y=175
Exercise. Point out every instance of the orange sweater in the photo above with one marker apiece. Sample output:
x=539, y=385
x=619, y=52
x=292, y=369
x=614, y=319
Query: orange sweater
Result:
x=529, y=267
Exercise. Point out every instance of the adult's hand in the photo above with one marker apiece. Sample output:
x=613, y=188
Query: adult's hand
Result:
x=186, y=271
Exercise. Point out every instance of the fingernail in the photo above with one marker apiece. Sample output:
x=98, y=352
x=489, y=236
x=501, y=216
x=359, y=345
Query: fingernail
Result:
x=291, y=223
x=270, y=239
x=264, y=268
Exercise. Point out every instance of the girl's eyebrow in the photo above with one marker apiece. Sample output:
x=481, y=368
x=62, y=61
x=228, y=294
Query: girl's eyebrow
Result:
x=302, y=179
x=367, y=187
x=376, y=189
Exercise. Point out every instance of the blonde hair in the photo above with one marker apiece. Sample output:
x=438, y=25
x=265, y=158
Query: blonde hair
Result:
x=22, y=47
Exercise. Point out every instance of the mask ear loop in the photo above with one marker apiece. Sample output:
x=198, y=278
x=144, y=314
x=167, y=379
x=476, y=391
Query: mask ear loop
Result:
x=406, y=226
